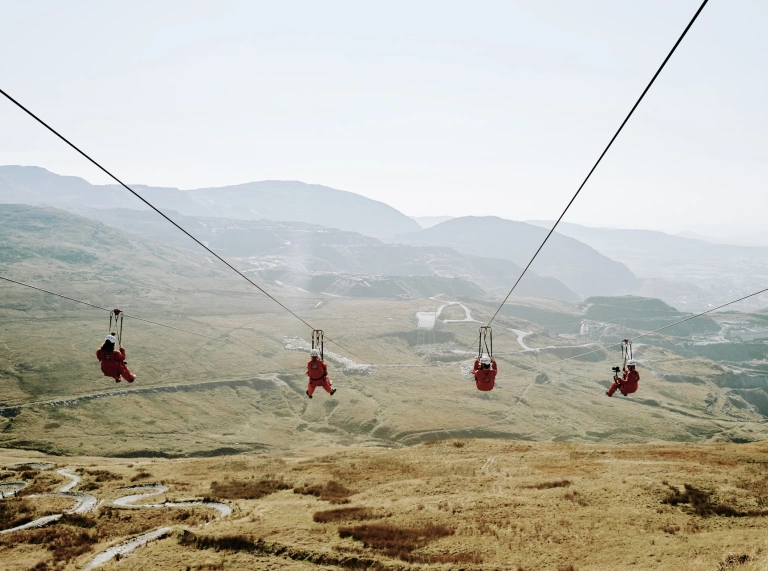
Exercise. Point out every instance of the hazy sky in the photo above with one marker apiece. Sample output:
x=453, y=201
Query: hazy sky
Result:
x=437, y=108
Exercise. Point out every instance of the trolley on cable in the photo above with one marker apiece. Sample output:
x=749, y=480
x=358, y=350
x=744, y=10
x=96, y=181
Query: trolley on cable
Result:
x=628, y=382
x=485, y=368
x=317, y=370
x=112, y=354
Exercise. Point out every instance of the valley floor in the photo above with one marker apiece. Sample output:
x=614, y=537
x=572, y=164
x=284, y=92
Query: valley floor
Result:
x=453, y=504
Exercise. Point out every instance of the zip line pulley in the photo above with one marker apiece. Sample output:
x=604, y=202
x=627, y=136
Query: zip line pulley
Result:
x=317, y=341
x=486, y=341
x=626, y=350
x=117, y=316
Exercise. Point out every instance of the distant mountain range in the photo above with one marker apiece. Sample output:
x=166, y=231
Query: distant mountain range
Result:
x=312, y=258
x=308, y=256
x=683, y=271
x=429, y=221
x=579, y=266
x=487, y=252
x=273, y=200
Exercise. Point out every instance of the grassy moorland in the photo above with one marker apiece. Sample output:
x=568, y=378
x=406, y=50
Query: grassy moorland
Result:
x=470, y=504
x=241, y=387
x=245, y=393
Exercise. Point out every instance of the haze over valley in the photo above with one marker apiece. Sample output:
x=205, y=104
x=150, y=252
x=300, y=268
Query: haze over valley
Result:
x=281, y=286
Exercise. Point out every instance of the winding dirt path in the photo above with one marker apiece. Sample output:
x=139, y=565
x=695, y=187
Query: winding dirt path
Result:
x=83, y=502
x=141, y=492
x=467, y=313
x=126, y=547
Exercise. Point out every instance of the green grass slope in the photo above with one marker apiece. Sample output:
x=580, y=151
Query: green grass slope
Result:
x=244, y=389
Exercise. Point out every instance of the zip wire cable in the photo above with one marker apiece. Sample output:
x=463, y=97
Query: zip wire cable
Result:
x=605, y=151
x=137, y=195
x=105, y=309
x=522, y=395
x=661, y=328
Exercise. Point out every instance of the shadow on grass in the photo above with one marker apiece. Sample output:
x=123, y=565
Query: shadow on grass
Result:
x=701, y=503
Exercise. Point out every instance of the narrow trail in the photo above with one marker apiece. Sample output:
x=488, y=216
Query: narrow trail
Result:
x=150, y=490
x=83, y=502
x=141, y=492
x=126, y=547
x=12, y=410
x=467, y=313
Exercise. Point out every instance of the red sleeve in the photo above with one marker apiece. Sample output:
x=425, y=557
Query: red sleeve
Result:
x=476, y=366
x=122, y=352
x=308, y=364
x=493, y=365
x=99, y=354
x=325, y=369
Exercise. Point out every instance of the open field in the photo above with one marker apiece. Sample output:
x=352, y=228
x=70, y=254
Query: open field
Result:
x=244, y=392
x=470, y=504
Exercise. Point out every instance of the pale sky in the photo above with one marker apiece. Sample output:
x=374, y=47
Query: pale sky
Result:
x=434, y=107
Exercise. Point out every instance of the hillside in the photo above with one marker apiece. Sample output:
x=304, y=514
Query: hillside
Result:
x=578, y=266
x=274, y=200
x=243, y=391
x=311, y=258
x=327, y=260
x=477, y=505
x=683, y=271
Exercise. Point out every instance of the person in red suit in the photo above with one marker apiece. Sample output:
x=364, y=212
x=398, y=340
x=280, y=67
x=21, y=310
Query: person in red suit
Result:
x=113, y=362
x=628, y=384
x=317, y=372
x=484, y=372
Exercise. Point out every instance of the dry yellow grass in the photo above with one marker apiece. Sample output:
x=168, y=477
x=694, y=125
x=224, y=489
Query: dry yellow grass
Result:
x=472, y=504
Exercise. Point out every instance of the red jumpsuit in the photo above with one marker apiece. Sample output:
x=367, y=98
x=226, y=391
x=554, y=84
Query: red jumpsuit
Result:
x=113, y=364
x=485, y=379
x=318, y=376
x=627, y=385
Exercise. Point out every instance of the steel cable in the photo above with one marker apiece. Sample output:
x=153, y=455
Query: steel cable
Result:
x=605, y=151
x=603, y=348
x=137, y=195
x=106, y=309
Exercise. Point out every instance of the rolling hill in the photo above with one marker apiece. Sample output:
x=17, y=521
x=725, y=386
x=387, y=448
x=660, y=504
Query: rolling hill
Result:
x=274, y=200
x=327, y=260
x=578, y=266
x=243, y=390
x=683, y=271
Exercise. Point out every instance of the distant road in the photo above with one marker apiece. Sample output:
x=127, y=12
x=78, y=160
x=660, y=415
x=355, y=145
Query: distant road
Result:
x=11, y=410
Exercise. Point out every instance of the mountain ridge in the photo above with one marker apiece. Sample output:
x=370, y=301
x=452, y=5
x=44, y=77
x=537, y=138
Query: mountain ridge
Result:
x=577, y=265
x=312, y=203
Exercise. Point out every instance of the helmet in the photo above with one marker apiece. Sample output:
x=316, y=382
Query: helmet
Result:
x=485, y=360
x=631, y=363
x=314, y=352
x=111, y=339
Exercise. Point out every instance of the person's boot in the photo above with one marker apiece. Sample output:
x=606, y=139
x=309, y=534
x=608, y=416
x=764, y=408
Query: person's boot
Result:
x=309, y=395
x=333, y=391
x=609, y=394
x=117, y=380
